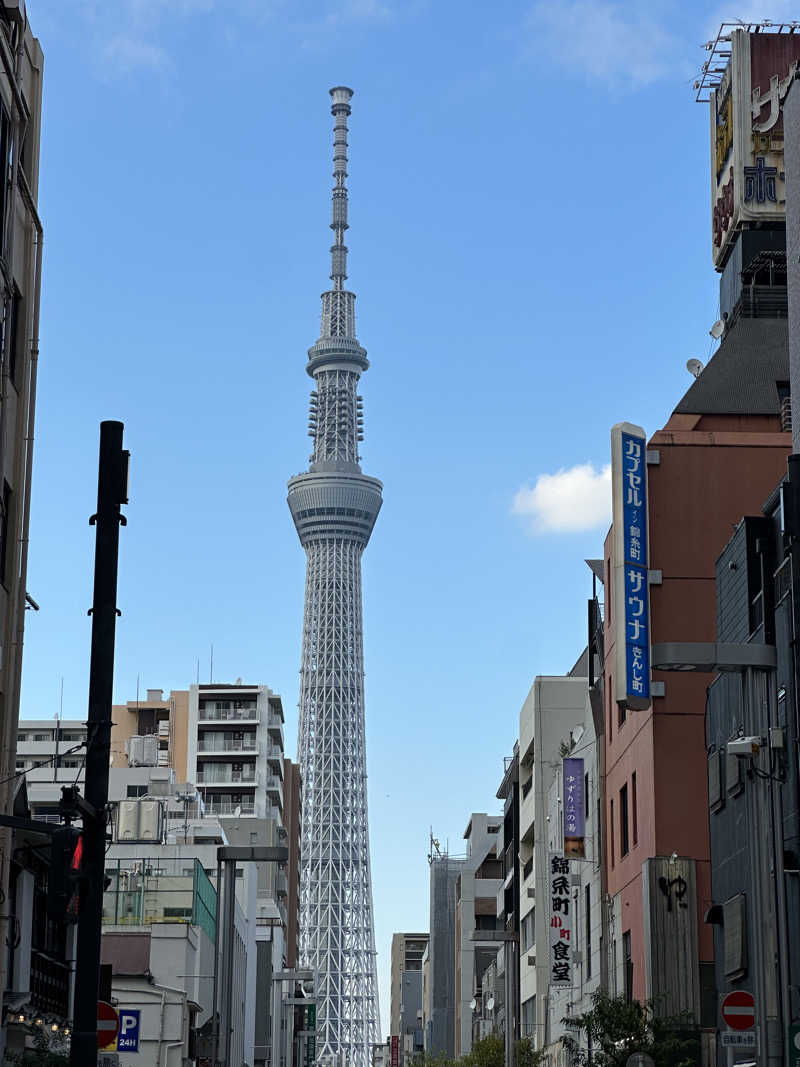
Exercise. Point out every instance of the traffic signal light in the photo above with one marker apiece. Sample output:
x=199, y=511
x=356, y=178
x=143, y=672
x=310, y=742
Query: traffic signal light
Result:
x=65, y=872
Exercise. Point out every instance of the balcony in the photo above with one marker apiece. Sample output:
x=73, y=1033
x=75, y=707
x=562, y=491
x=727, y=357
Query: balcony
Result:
x=220, y=775
x=274, y=787
x=228, y=807
x=216, y=742
x=226, y=711
x=275, y=726
x=275, y=757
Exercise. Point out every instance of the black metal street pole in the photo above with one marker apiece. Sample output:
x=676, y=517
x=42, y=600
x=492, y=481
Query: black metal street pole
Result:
x=111, y=493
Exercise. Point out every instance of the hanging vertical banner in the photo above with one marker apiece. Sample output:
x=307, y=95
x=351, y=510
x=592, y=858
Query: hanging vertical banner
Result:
x=574, y=808
x=560, y=921
x=630, y=603
x=395, y=1050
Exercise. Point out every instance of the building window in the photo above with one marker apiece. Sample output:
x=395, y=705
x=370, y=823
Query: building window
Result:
x=611, y=824
x=587, y=907
x=624, y=843
x=5, y=150
x=610, y=707
x=20, y=765
x=734, y=929
x=134, y=791
x=528, y=931
x=529, y=1017
x=4, y=525
x=634, y=811
x=628, y=958
x=598, y=830
x=12, y=332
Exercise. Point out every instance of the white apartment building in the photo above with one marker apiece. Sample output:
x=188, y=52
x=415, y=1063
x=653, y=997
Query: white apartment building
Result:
x=235, y=749
x=585, y=890
x=477, y=885
x=554, y=706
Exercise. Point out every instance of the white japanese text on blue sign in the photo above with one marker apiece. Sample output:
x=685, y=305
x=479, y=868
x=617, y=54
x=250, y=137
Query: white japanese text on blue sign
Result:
x=637, y=613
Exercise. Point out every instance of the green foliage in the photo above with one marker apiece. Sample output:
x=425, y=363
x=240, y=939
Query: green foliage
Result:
x=489, y=1052
x=47, y=1051
x=618, y=1027
x=525, y=1055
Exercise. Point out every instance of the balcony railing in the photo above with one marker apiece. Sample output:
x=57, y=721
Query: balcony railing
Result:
x=213, y=743
x=210, y=714
x=214, y=777
x=228, y=807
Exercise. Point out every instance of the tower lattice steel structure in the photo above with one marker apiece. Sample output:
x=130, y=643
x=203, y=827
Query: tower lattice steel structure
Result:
x=334, y=507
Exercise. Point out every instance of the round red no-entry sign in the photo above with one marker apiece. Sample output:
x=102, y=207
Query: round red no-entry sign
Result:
x=739, y=1010
x=107, y=1024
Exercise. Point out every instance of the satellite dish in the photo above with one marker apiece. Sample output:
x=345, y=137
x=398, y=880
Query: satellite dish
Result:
x=490, y=1004
x=473, y=1004
x=717, y=330
x=694, y=367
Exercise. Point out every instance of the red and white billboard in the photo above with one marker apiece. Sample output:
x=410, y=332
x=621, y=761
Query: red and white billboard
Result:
x=747, y=169
x=395, y=1050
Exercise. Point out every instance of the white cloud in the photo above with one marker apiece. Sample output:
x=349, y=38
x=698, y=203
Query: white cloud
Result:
x=603, y=41
x=576, y=498
x=124, y=54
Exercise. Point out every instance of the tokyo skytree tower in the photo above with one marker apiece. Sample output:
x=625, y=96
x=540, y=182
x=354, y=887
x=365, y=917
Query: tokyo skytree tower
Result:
x=334, y=507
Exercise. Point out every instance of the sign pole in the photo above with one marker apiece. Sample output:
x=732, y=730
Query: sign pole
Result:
x=111, y=494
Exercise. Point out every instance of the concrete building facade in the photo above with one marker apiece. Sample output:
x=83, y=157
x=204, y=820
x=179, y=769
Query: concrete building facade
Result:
x=586, y=887
x=21, y=62
x=477, y=885
x=405, y=1010
x=440, y=996
x=554, y=706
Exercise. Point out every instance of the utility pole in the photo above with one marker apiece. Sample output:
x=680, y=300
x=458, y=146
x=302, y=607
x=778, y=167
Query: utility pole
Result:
x=112, y=491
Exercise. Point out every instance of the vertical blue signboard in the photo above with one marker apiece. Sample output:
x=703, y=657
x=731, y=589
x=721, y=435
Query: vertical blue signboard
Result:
x=574, y=808
x=634, y=539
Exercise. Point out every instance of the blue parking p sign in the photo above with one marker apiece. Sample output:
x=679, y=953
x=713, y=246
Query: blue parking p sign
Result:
x=128, y=1036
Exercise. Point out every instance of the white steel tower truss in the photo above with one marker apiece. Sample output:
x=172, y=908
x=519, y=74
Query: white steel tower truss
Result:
x=334, y=507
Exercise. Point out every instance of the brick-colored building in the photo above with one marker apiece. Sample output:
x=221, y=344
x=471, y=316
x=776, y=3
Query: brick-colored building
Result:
x=719, y=456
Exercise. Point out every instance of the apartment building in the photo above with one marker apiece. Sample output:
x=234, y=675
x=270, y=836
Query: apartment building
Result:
x=505, y=1009
x=587, y=907
x=476, y=888
x=235, y=749
x=153, y=716
x=554, y=708
x=227, y=740
x=405, y=1017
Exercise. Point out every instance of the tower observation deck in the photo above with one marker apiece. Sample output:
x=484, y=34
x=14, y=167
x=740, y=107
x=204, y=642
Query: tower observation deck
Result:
x=334, y=507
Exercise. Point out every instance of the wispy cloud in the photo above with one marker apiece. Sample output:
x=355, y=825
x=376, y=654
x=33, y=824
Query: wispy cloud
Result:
x=573, y=499
x=752, y=11
x=613, y=43
x=127, y=36
x=125, y=55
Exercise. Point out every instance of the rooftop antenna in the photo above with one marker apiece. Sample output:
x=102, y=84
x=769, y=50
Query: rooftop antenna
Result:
x=198, y=670
x=694, y=367
x=211, y=668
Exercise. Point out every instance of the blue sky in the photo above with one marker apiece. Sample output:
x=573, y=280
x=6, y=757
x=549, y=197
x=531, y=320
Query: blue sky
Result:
x=530, y=246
